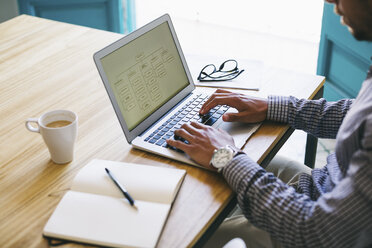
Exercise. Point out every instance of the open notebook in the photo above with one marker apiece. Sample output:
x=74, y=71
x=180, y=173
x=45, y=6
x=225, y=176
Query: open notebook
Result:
x=94, y=210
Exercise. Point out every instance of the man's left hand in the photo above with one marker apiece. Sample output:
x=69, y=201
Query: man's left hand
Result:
x=202, y=141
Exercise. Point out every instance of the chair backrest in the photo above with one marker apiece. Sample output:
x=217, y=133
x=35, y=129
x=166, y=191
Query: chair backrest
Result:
x=101, y=14
x=343, y=60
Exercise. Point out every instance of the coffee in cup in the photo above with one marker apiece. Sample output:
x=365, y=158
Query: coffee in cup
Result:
x=59, y=131
x=56, y=124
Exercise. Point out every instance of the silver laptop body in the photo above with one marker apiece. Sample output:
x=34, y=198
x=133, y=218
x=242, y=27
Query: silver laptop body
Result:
x=151, y=89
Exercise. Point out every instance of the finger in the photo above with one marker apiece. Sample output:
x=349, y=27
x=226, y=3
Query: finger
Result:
x=231, y=100
x=208, y=105
x=230, y=117
x=203, y=109
x=216, y=93
x=237, y=117
x=198, y=125
x=184, y=134
x=178, y=144
x=223, y=91
x=189, y=128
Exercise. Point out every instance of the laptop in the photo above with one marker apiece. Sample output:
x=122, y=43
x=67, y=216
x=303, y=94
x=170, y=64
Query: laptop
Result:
x=152, y=92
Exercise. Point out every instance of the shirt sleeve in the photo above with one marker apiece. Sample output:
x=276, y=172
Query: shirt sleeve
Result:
x=340, y=218
x=318, y=117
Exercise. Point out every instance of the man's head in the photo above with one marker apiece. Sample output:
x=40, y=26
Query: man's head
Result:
x=357, y=15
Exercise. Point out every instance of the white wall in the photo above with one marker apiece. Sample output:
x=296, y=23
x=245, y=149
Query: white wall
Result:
x=8, y=9
x=298, y=19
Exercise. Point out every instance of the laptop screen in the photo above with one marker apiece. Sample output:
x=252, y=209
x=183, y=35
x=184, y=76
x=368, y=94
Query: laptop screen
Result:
x=145, y=73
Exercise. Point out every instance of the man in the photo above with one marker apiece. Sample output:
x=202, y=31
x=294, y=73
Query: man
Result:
x=328, y=207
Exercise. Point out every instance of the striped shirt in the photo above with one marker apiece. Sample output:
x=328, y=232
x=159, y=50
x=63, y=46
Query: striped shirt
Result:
x=333, y=206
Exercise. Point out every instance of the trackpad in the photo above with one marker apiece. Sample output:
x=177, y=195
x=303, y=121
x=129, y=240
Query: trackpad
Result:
x=239, y=131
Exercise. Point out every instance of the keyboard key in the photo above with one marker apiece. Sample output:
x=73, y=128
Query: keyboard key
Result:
x=206, y=117
x=160, y=142
x=174, y=149
x=169, y=134
x=215, y=115
x=196, y=118
x=210, y=121
x=172, y=130
x=189, y=112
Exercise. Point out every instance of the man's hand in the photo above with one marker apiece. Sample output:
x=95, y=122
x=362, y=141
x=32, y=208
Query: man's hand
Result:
x=250, y=109
x=202, y=141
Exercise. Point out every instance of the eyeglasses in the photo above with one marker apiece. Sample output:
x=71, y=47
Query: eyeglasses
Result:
x=228, y=70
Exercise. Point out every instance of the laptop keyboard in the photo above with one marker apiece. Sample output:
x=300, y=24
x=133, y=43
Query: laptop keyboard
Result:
x=189, y=112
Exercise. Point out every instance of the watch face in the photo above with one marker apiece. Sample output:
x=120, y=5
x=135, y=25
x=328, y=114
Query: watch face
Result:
x=222, y=157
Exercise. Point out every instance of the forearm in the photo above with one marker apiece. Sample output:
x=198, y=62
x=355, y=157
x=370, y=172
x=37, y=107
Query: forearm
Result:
x=318, y=117
x=265, y=200
x=294, y=219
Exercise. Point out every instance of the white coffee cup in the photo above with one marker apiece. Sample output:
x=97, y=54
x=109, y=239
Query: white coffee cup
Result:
x=59, y=131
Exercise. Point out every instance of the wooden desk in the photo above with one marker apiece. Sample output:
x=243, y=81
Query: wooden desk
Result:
x=46, y=65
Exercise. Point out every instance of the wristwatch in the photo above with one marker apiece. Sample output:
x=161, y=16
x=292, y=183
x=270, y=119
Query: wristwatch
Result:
x=222, y=156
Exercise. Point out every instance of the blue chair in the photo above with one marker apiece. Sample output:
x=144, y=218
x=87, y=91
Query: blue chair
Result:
x=343, y=60
x=101, y=14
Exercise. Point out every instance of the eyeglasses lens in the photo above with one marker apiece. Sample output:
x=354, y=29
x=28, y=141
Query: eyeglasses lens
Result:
x=229, y=66
x=209, y=69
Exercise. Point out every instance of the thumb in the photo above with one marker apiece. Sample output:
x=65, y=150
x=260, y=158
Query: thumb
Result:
x=230, y=117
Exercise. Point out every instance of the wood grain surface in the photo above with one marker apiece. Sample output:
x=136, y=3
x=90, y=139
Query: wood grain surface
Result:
x=47, y=65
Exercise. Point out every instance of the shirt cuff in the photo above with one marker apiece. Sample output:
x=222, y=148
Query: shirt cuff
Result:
x=278, y=108
x=240, y=169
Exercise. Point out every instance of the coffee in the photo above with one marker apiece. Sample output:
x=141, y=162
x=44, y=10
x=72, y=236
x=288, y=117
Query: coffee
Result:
x=56, y=124
x=59, y=131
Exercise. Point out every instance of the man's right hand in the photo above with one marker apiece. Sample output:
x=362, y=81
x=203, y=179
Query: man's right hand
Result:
x=250, y=109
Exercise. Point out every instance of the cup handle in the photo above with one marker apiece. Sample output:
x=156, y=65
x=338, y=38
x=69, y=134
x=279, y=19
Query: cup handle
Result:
x=31, y=128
